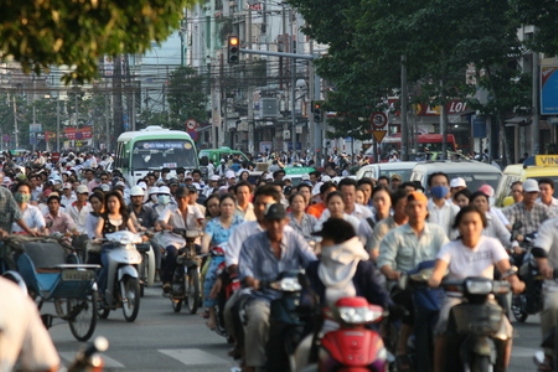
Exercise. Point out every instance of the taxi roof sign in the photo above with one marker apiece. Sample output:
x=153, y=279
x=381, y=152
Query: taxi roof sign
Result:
x=546, y=160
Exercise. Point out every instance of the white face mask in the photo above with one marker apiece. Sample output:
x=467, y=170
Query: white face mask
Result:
x=164, y=199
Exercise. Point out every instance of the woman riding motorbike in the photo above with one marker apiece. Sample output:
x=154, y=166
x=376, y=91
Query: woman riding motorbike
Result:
x=216, y=233
x=300, y=221
x=115, y=218
x=31, y=214
x=470, y=255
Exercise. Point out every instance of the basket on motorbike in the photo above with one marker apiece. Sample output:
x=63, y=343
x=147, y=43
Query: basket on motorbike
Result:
x=143, y=247
x=477, y=320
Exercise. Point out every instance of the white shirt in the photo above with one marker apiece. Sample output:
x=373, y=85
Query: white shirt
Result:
x=24, y=336
x=497, y=212
x=32, y=217
x=444, y=216
x=65, y=201
x=172, y=216
x=547, y=239
x=91, y=225
x=347, y=217
x=79, y=216
x=238, y=236
x=479, y=261
x=360, y=212
x=553, y=206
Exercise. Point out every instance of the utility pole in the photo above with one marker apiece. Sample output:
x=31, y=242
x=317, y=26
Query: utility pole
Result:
x=250, y=119
x=293, y=98
x=58, y=122
x=16, y=129
x=107, y=119
x=535, y=104
x=118, y=119
x=404, y=101
x=443, y=121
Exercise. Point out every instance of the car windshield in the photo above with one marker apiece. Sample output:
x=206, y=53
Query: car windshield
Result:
x=163, y=154
x=476, y=180
x=404, y=173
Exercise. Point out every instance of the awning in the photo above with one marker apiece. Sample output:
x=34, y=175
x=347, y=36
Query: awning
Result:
x=518, y=120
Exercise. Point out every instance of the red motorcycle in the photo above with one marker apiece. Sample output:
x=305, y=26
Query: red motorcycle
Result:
x=353, y=347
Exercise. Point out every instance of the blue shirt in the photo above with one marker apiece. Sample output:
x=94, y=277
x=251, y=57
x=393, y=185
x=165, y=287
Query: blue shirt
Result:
x=258, y=261
x=219, y=234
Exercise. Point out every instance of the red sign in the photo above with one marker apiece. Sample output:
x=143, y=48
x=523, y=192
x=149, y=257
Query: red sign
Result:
x=78, y=134
x=55, y=156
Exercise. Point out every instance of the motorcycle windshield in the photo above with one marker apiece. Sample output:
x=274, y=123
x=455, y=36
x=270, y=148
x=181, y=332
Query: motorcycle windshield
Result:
x=124, y=237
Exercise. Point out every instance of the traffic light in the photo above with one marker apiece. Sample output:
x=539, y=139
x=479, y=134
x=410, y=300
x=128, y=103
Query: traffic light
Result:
x=233, y=49
x=317, y=110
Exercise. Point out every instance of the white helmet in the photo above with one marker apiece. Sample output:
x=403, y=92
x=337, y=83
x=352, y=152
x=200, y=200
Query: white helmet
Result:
x=136, y=191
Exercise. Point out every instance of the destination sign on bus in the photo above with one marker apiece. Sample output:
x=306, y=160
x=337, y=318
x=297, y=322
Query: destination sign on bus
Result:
x=161, y=145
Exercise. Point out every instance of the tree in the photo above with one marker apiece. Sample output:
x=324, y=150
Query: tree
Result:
x=542, y=14
x=39, y=34
x=187, y=97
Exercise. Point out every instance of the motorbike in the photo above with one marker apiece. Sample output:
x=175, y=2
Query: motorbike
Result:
x=550, y=341
x=186, y=279
x=88, y=359
x=475, y=341
x=427, y=302
x=123, y=286
x=286, y=322
x=231, y=283
x=354, y=346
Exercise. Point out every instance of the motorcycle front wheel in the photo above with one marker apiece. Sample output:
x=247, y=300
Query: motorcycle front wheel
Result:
x=130, y=291
x=479, y=363
x=192, y=286
x=83, y=316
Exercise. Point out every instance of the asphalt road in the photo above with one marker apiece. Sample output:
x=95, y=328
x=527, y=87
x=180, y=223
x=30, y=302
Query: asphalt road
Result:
x=161, y=340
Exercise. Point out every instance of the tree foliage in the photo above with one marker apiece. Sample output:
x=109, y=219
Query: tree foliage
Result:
x=187, y=96
x=43, y=33
x=542, y=14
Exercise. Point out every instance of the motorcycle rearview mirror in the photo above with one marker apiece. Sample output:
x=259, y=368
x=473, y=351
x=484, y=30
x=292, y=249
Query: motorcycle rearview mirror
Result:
x=517, y=225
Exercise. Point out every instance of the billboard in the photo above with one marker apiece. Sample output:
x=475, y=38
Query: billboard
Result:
x=549, y=90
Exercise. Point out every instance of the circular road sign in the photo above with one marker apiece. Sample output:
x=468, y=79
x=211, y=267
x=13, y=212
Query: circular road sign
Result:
x=379, y=120
x=191, y=124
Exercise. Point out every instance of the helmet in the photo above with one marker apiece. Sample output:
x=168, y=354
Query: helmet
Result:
x=136, y=191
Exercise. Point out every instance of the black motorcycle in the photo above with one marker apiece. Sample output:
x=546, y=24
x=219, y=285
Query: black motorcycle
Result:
x=474, y=342
x=529, y=302
x=186, y=279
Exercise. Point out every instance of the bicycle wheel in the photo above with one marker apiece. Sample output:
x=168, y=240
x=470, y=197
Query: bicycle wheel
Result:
x=130, y=290
x=83, y=316
x=192, y=290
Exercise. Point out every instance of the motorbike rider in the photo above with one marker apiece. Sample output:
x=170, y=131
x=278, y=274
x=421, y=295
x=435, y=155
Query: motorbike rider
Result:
x=114, y=218
x=402, y=249
x=471, y=255
x=263, y=196
x=546, y=186
x=441, y=211
x=80, y=208
x=381, y=201
x=145, y=216
x=545, y=251
x=344, y=270
x=530, y=213
x=262, y=258
x=23, y=336
x=183, y=216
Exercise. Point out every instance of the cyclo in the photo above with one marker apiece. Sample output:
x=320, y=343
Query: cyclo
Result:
x=43, y=264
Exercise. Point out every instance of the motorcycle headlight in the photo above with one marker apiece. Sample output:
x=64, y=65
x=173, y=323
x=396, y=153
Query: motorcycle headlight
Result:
x=287, y=285
x=479, y=287
x=358, y=315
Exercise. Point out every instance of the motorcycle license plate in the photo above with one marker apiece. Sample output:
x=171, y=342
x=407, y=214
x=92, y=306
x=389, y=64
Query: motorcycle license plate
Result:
x=69, y=275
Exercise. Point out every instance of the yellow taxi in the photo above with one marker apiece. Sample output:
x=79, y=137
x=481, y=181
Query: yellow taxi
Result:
x=537, y=167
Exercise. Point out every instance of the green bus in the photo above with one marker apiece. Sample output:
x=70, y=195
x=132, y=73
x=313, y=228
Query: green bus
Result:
x=154, y=148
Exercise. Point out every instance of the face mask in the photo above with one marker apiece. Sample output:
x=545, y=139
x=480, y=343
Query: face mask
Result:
x=22, y=198
x=439, y=192
x=163, y=199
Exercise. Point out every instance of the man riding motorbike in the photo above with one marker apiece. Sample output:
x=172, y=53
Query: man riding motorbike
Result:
x=262, y=258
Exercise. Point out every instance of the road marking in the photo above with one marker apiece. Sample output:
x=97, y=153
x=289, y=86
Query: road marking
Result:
x=523, y=352
x=192, y=357
x=69, y=356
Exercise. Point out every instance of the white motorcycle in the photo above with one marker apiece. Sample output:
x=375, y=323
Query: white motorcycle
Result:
x=123, y=284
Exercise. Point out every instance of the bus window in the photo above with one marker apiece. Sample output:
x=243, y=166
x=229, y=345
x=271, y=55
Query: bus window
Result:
x=170, y=154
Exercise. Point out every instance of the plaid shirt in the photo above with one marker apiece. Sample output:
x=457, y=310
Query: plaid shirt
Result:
x=531, y=220
x=10, y=210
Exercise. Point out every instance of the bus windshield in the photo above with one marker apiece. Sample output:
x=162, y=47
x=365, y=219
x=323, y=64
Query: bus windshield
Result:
x=163, y=153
